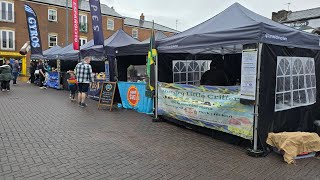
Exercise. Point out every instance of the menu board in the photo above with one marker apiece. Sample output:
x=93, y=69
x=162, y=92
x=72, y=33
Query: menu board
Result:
x=107, y=94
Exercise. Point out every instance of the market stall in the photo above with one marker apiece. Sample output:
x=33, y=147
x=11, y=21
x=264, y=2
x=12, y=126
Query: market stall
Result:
x=273, y=57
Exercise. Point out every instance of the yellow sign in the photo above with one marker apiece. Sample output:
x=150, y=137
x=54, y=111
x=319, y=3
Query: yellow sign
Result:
x=2, y=53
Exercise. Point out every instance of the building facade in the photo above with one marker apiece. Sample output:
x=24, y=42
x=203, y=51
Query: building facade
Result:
x=55, y=24
x=306, y=20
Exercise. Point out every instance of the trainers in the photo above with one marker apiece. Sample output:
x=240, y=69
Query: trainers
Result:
x=83, y=105
x=28, y=82
x=8, y=90
x=41, y=87
x=3, y=90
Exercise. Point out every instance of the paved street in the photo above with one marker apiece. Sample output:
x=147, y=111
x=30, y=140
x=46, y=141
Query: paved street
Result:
x=45, y=136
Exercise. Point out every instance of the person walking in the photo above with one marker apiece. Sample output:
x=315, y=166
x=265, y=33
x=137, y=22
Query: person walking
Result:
x=32, y=70
x=42, y=75
x=15, y=71
x=84, y=76
x=5, y=76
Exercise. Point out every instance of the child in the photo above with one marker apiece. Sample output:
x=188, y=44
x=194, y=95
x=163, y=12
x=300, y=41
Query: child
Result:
x=72, y=81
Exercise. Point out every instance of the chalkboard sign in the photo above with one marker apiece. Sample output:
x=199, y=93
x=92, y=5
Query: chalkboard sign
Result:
x=107, y=94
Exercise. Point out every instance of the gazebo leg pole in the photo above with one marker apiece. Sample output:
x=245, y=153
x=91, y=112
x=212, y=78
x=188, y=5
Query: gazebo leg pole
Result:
x=255, y=152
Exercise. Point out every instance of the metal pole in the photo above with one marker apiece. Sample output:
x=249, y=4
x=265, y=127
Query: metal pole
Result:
x=67, y=22
x=156, y=88
x=256, y=109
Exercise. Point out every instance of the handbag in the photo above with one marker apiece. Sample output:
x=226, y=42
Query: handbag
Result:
x=36, y=71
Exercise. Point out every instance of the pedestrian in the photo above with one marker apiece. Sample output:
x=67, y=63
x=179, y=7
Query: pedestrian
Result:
x=5, y=76
x=84, y=76
x=72, y=81
x=32, y=70
x=15, y=71
x=42, y=75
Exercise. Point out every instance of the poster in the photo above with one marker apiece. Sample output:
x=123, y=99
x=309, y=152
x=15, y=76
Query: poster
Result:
x=95, y=89
x=216, y=108
x=249, y=74
x=107, y=93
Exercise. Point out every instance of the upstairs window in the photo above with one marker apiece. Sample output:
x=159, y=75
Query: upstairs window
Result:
x=7, y=11
x=7, y=39
x=135, y=33
x=52, y=15
x=110, y=25
x=83, y=41
x=83, y=23
x=296, y=82
x=53, y=40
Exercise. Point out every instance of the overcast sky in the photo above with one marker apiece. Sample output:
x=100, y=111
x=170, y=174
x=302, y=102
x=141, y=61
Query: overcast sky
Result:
x=192, y=12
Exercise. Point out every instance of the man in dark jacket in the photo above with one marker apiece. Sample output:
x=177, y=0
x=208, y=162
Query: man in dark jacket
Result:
x=32, y=70
x=15, y=71
x=215, y=76
x=5, y=76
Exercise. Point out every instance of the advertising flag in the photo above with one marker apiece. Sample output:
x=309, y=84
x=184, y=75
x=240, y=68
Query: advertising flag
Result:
x=75, y=24
x=33, y=29
x=96, y=22
x=150, y=64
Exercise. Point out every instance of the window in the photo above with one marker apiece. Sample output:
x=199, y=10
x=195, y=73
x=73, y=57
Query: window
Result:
x=53, y=40
x=83, y=23
x=7, y=40
x=189, y=72
x=83, y=41
x=52, y=15
x=135, y=33
x=110, y=24
x=296, y=82
x=7, y=11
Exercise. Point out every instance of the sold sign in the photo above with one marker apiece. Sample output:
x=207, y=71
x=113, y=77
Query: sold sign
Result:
x=133, y=96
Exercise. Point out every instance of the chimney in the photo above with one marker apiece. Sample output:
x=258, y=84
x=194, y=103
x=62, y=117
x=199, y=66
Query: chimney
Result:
x=142, y=17
x=112, y=8
x=280, y=15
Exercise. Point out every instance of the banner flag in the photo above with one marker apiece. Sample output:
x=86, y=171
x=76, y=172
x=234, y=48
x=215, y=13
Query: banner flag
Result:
x=96, y=22
x=75, y=24
x=33, y=29
x=150, y=64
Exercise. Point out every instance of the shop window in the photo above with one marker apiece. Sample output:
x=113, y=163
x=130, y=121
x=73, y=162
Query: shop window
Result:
x=135, y=33
x=53, y=40
x=7, y=11
x=83, y=41
x=52, y=15
x=110, y=24
x=83, y=23
x=295, y=83
x=189, y=72
x=7, y=40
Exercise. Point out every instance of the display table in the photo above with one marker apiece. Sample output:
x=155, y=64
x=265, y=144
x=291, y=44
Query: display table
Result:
x=95, y=88
x=53, y=80
x=133, y=96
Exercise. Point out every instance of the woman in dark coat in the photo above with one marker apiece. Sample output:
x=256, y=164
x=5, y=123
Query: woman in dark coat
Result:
x=5, y=76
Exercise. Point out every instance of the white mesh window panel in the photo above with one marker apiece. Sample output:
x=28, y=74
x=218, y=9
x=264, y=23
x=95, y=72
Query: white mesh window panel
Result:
x=295, y=83
x=189, y=72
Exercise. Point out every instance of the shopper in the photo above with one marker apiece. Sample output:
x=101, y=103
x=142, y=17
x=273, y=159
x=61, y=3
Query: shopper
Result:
x=32, y=70
x=42, y=75
x=15, y=71
x=72, y=81
x=84, y=76
x=5, y=76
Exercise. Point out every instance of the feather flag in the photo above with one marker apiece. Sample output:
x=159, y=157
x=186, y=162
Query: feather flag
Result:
x=152, y=54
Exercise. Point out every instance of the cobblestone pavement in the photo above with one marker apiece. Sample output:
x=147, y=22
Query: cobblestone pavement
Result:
x=45, y=136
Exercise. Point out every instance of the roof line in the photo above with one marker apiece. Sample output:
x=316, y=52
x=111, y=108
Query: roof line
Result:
x=306, y=10
x=151, y=22
x=300, y=19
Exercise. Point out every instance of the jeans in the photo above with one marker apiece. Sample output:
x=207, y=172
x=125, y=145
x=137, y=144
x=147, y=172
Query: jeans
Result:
x=32, y=78
x=42, y=79
x=15, y=76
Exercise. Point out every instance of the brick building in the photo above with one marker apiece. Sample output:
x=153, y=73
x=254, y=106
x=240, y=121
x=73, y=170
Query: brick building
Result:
x=306, y=20
x=52, y=18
